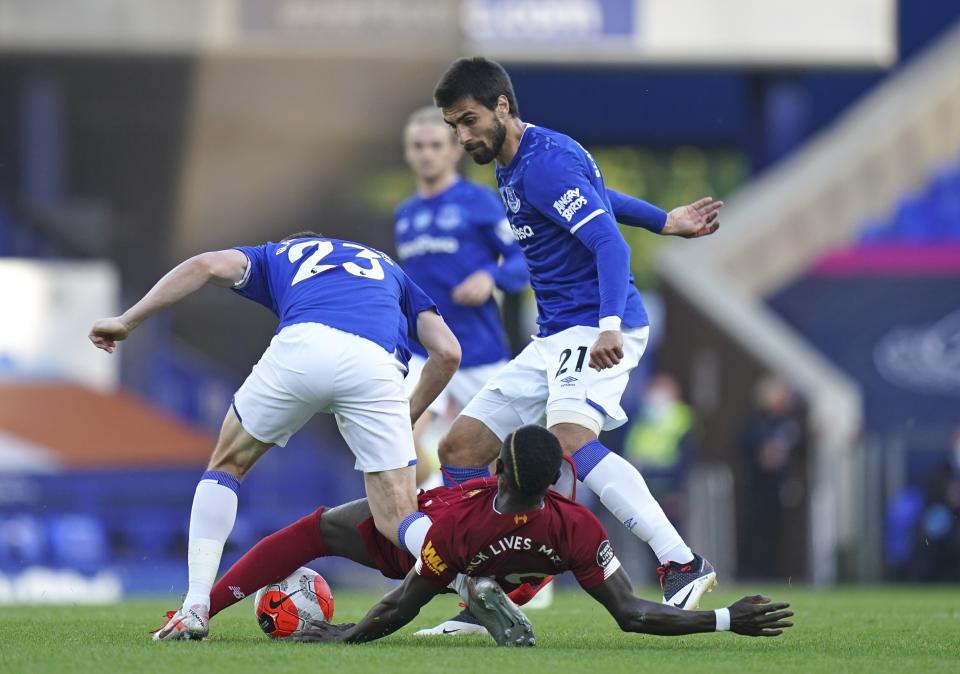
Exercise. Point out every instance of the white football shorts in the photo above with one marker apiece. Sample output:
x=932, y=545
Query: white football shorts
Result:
x=552, y=376
x=310, y=368
x=463, y=386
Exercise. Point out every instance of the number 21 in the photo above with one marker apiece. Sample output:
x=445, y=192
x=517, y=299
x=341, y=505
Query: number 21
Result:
x=565, y=356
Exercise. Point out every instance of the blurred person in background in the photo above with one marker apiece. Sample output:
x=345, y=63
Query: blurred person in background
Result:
x=770, y=440
x=938, y=548
x=346, y=314
x=453, y=240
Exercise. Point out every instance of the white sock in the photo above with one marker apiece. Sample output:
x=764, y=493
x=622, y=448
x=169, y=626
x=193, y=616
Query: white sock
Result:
x=211, y=521
x=413, y=532
x=624, y=492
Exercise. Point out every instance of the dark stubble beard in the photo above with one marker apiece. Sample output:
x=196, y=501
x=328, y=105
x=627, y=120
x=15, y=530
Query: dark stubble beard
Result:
x=485, y=155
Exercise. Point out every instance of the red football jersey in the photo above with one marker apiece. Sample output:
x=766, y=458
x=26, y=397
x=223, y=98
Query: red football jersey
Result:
x=469, y=536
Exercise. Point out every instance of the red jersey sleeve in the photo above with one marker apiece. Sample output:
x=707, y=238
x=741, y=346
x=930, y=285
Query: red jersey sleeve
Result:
x=591, y=557
x=437, y=561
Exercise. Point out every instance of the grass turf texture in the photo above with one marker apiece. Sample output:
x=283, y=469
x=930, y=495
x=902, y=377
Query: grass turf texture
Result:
x=875, y=630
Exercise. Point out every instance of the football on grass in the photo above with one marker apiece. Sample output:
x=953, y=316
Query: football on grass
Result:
x=285, y=607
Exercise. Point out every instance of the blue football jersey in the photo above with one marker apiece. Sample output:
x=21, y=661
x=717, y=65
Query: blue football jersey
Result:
x=557, y=205
x=341, y=284
x=443, y=239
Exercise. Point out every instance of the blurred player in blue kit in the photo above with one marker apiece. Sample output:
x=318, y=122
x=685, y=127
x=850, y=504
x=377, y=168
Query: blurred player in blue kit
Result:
x=347, y=314
x=593, y=326
x=453, y=240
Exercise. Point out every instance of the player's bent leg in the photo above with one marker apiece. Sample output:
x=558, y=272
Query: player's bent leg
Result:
x=392, y=496
x=684, y=577
x=467, y=450
x=237, y=450
x=322, y=533
x=212, y=517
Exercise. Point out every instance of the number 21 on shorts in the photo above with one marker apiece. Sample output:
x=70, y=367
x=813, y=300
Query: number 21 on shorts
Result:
x=565, y=356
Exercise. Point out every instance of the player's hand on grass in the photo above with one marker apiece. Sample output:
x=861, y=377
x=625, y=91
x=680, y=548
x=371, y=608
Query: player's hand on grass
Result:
x=701, y=218
x=322, y=632
x=607, y=351
x=106, y=332
x=756, y=616
x=474, y=290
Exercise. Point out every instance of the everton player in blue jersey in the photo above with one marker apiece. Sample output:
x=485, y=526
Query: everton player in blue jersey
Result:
x=593, y=327
x=346, y=313
x=454, y=241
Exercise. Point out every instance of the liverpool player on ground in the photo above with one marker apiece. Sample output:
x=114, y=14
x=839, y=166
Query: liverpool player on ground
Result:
x=593, y=327
x=499, y=532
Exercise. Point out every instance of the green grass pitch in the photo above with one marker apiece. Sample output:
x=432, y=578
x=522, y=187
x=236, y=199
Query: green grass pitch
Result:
x=870, y=630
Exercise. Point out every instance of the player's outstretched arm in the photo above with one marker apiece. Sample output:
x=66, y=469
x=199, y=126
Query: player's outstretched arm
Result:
x=223, y=267
x=443, y=359
x=752, y=616
x=394, y=611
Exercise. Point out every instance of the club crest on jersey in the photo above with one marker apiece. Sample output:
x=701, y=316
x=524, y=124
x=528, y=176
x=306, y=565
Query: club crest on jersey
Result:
x=510, y=198
x=449, y=217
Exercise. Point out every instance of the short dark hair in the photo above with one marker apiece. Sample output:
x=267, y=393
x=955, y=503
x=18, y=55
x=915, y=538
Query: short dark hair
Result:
x=531, y=457
x=301, y=235
x=481, y=79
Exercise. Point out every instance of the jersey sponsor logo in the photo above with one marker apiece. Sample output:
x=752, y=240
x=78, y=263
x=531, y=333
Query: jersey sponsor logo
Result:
x=571, y=202
x=510, y=543
x=426, y=244
x=521, y=233
x=605, y=554
x=519, y=519
x=510, y=198
x=505, y=232
x=432, y=559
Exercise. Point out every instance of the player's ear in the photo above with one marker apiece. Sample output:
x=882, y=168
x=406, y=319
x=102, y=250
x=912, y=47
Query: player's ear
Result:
x=498, y=469
x=503, y=107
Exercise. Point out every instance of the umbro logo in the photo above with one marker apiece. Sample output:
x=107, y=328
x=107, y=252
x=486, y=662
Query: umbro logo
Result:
x=568, y=381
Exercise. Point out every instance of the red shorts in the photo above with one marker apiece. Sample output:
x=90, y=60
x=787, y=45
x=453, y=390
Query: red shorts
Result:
x=390, y=560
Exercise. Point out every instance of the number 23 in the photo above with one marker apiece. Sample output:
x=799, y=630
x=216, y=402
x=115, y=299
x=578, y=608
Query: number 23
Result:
x=310, y=267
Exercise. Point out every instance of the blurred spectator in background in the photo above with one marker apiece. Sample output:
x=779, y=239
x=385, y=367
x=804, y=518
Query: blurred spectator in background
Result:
x=770, y=439
x=658, y=443
x=938, y=552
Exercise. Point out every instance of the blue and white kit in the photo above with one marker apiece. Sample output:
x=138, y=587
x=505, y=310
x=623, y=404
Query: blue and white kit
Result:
x=443, y=239
x=347, y=314
x=565, y=221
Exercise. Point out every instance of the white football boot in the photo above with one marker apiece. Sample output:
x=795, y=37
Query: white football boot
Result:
x=187, y=623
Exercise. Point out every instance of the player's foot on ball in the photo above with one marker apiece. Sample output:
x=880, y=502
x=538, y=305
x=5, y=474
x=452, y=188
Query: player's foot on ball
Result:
x=187, y=623
x=461, y=624
x=505, y=622
x=684, y=585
